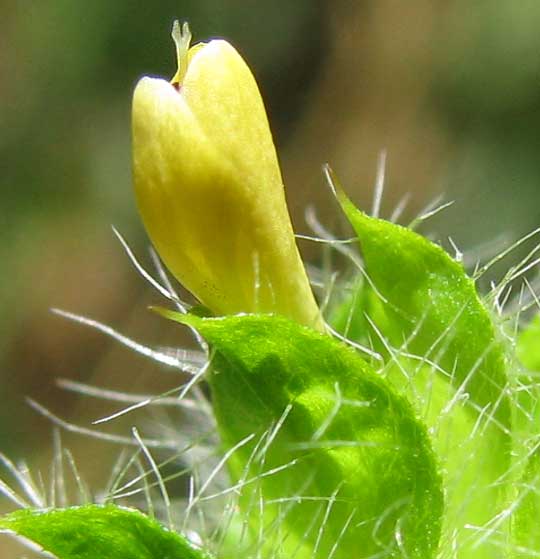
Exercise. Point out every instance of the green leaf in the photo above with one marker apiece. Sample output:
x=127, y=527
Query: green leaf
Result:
x=526, y=532
x=445, y=355
x=104, y=532
x=427, y=298
x=359, y=472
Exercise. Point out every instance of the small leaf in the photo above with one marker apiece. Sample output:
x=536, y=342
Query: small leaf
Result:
x=357, y=470
x=445, y=356
x=427, y=298
x=104, y=532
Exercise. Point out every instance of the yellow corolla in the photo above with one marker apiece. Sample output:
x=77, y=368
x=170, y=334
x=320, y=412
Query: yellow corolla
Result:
x=209, y=188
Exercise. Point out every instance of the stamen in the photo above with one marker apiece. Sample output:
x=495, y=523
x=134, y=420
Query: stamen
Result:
x=182, y=39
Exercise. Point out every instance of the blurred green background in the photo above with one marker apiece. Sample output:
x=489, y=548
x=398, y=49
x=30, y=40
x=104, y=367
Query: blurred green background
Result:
x=450, y=89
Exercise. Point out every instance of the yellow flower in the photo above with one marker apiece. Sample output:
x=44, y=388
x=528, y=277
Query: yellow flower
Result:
x=209, y=188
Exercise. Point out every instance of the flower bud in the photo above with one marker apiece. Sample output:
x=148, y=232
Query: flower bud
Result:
x=209, y=187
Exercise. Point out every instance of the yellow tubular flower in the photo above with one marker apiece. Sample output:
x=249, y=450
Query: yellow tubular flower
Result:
x=209, y=188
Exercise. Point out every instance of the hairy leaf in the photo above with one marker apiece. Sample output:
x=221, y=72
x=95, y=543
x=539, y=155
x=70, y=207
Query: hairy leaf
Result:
x=428, y=302
x=104, y=532
x=358, y=476
x=443, y=353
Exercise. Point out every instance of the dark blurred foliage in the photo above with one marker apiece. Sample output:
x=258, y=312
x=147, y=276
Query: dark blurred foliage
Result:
x=451, y=90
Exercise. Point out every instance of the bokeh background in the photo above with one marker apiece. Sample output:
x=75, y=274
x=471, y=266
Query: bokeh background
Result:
x=450, y=89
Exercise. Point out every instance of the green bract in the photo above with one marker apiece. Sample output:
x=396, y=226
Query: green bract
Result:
x=358, y=476
x=99, y=532
x=442, y=351
x=426, y=303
